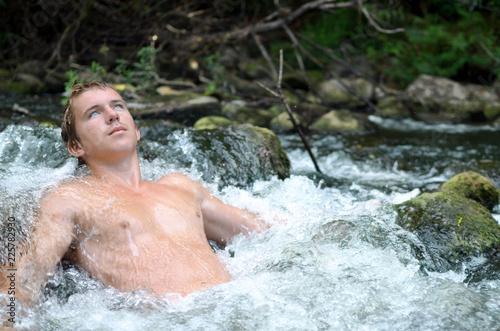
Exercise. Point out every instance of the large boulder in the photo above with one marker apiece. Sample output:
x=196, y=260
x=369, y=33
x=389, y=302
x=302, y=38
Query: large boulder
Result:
x=440, y=99
x=453, y=227
x=241, y=154
x=231, y=155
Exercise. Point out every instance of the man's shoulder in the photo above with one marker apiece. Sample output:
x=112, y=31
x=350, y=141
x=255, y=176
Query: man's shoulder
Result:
x=62, y=200
x=68, y=191
x=180, y=181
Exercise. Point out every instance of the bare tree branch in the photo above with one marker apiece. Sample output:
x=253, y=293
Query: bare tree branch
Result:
x=344, y=85
x=266, y=56
x=373, y=23
x=296, y=126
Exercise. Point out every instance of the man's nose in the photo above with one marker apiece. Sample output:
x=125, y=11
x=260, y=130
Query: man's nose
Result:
x=112, y=115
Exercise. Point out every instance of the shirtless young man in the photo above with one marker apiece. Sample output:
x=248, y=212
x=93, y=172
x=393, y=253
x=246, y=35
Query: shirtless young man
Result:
x=127, y=232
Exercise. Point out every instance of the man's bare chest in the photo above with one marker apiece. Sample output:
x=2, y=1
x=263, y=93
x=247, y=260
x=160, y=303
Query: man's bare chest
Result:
x=118, y=214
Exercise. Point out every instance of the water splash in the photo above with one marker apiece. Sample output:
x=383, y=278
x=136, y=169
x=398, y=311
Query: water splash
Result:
x=340, y=261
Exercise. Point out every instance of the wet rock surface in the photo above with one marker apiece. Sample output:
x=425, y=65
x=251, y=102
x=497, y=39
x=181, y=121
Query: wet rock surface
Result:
x=454, y=227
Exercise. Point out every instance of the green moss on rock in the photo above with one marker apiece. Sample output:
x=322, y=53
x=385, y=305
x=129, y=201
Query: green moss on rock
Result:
x=474, y=186
x=282, y=122
x=338, y=120
x=212, y=122
x=242, y=113
x=452, y=227
x=273, y=158
x=240, y=154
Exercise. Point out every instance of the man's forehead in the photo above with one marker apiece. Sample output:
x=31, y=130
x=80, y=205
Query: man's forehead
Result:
x=95, y=97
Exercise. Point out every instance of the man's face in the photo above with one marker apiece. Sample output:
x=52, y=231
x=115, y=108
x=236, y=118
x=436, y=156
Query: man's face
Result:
x=104, y=125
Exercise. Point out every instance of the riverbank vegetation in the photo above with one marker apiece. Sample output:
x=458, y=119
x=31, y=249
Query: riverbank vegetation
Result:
x=150, y=42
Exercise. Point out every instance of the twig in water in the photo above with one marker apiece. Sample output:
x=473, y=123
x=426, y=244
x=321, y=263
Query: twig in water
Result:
x=281, y=96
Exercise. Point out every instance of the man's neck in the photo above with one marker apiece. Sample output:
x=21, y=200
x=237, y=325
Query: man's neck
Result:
x=124, y=172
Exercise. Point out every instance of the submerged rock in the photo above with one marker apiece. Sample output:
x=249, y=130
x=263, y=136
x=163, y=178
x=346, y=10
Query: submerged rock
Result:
x=453, y=227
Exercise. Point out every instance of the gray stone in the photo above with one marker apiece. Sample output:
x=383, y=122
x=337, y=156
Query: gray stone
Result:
x=440, y=99
x=241, y=112
x=283, y=123
x=338, y=121
x=332, y=91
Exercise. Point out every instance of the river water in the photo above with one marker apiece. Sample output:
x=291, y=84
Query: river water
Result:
x=339, y=263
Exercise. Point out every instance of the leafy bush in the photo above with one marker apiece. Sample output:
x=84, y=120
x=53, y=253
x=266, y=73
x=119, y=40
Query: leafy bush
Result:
x=433, y=46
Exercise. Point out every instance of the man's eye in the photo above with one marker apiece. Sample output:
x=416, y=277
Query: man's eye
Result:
x=94, y=113
x=120, y=107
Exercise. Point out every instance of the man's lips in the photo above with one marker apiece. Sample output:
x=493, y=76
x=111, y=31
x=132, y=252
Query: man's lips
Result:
x=117, y=129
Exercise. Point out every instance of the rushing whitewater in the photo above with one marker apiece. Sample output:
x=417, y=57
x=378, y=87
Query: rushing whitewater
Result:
x=338, y=263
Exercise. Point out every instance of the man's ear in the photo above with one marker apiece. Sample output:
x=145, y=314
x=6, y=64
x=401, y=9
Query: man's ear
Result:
x=76, y=149
x=137, y=132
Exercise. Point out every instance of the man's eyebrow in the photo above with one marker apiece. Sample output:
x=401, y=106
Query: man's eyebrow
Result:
x=90, y=108
x=115, y=101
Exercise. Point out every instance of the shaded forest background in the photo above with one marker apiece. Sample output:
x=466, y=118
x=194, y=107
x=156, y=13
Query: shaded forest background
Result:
x=164, y=40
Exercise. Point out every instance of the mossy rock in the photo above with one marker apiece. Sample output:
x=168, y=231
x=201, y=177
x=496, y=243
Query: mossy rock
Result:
x=243, y=113
x=282, y=122
x=473, y=185
x=4, y=73
x=452, y=228
x=291, y=97
x=212, y=122
x=392, y=106
x=486, y=167
x=338, y=121
x=273, y=158
x=276, y=110
x=240, y=154
x=492, y=111
x=334, y=92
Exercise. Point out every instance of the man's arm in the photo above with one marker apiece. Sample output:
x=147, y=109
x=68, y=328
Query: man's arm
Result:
x=53, y=233
x=222, y=221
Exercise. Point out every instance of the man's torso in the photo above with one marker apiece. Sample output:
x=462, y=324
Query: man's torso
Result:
x=153, y=238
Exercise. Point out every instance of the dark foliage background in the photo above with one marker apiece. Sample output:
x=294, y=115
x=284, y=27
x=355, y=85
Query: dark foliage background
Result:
x=456, y=39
